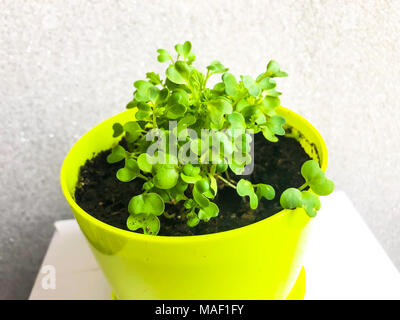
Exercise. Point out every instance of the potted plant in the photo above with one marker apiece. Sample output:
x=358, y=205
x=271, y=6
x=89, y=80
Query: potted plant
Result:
x=197, y=192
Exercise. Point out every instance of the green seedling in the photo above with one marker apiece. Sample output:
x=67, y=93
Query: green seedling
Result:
x=319, y=184
x=234, y=105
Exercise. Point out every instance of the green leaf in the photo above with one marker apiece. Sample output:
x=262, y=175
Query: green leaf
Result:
x=274, y=70
x=163, y=55
x=148, y=185
x=291, y=198
x=268, y=134
x=237, y=168
x=253, y=201
x=230, y=84
x=142, y=93
x=179, y=73
x=222, y=167
x=162, y=96
x=273, y=127
x=272, y=93
x=144, y=162
x=311, y=171
x=176, y=111
x=245, y=188
x=144, y=111
x=265, y=191
x=181, y=186
x=273, y=67
x=201, y=199
x=211, y=211
x=217, y=67
x=191, y=57
x=323, y=187
x=154, y=78
x=129, y=172
x=252, y=86
x=118, y=129
x=316, y=178
x=218, y=108
x=184, y=49
x=132, y=104
x=117, y=154
x=190, y=179
x=189, y=203
x=166, y=177
x=179, y=96
x=310, y=203
x=236, y=120
x=192, y=219
x=202, y=185
x=191, y=170
x=133, y=131
x=267, y=83
x=150, y=224
x=147, y=204
x=269, y=105
x=187, y=48
x=275, y=123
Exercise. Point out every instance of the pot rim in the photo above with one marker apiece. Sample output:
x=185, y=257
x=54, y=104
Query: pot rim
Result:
x=149, y=238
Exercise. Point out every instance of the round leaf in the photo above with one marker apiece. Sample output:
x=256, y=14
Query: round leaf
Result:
x=323, y=187
x=291, y=198
x=211, y=211
x=166, y=177
x=146, y=203
x=150, y=224
x=129, y=172
x=117, y=154
x=311, y=203
x=163, y=55
x=311, y=171
x=275, y=123
x=236, y=120
x=202, y=185
x=244, y=188
x=118, y=129
x=269, y=104
x=192, y=219
x=190, y=179
x=230, y=84
x=191, y=170
x=201, y=200
x=144, y=163
x=217, y=67
x=253, y=201
x=132, y=130
x=265, y=191
x=178, y=73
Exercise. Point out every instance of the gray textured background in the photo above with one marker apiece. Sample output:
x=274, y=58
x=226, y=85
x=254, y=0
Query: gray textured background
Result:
x=67, y=65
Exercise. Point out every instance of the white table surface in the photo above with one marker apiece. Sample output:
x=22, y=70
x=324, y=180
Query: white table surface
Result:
x=343, y=260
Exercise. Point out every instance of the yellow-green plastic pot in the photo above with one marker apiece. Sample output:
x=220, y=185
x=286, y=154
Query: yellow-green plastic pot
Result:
x=258, y=261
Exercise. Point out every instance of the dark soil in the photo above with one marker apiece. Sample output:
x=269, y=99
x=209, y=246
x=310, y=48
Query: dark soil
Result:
x=103, y=196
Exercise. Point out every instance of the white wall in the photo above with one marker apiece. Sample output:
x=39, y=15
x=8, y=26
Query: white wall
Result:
x=67, y=65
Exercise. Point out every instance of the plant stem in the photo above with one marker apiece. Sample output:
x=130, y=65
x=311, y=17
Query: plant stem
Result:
x=226, y=181
x=154, y=119
x=207, y=76
x=143, y=177
x=169, y=216
x=303, y=186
